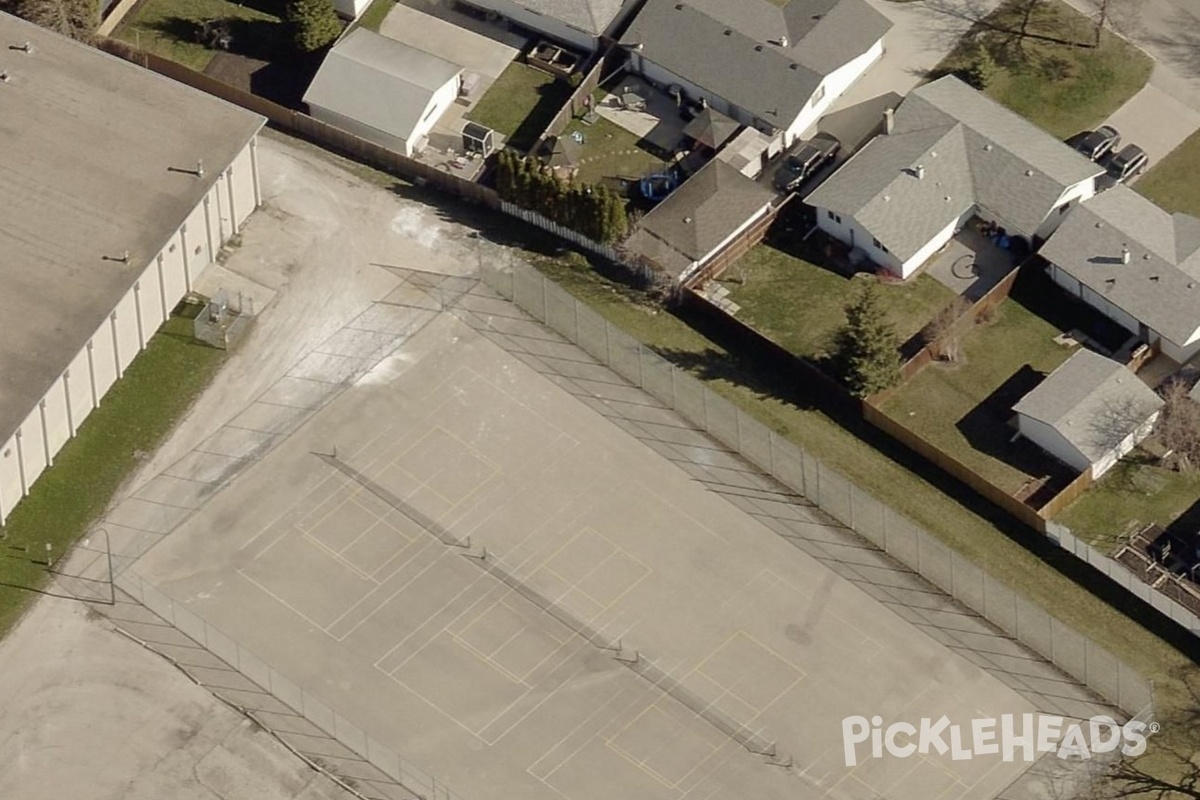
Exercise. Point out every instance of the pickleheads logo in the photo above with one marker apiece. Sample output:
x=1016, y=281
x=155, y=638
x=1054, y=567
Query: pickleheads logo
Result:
x=1029, y=735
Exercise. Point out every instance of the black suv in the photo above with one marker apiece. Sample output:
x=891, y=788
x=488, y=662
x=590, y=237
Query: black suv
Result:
x=1123, y=166
x=1096, y=144
x=807, y=158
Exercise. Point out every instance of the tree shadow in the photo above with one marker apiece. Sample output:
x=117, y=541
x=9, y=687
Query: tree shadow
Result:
x=986, y=427
x=551, y=97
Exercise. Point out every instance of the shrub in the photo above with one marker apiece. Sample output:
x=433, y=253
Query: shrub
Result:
x=313, y=23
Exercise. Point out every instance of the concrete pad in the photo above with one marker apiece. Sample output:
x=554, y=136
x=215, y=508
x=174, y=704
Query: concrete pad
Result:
x=1155, y=121
x=123, y=722
x=246, y=295
x=237, y=443
x=297, y=393
x=341, y=580
x=474, y=53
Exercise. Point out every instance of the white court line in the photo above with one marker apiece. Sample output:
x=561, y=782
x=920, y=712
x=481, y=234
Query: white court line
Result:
x=285, y=603
x=390, y=597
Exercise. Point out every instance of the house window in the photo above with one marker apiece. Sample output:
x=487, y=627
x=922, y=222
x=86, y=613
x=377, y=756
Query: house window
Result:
x=836, y=218
x=818, y=95
x=879, y=245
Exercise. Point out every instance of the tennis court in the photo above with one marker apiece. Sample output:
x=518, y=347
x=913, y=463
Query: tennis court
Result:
x=498, y=583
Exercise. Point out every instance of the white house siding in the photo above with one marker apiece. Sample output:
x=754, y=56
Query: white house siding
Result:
x=835, y=85
x=936, y=243
x=1052, y=442
x=1073, y=195
x=663, y=77
x=123, y=333
x=1179, y=353
x=848, y=230
x=548, y=26
x=350, y=8
x=438, y=104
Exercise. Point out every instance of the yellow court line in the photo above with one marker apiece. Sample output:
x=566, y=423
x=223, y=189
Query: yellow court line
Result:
x=285, y=604
x=387, y=600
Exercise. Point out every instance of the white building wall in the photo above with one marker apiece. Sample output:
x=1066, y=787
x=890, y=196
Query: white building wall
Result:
x=1052, y=442
x=848, y=230
x=123, y=334
x=834, y=86
x=438, y=104
x=936, y=243
x=350, y=9
x=1073, y=195
x=358, y=129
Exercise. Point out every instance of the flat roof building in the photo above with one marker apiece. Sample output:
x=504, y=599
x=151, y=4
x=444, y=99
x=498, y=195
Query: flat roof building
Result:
x=117, y=187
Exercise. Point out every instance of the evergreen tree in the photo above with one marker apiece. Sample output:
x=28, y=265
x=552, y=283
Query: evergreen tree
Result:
x=313, y=23
x=866, y=349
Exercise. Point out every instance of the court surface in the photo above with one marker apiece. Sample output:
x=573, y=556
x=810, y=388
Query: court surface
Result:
x=487, y=576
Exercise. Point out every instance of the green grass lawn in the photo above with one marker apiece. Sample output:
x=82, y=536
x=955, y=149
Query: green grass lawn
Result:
x=938, y=403
x=800, y=305
x=375, y=14
x=520, y=104
x=1062, y=88
x=133, y=418
x=1131, y=495
x=609, y=151
x=167, y=27
x=1172, y=183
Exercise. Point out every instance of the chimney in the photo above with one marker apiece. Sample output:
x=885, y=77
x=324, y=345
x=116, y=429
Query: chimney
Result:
x=25, y=47
x=1124, y=254
x=920, y=172
x=889, y=120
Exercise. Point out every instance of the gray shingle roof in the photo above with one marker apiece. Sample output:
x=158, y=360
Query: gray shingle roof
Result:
x=1160, y=286
x=698, y=216
x=986, y=155
x=1091, y=401
x=592, y=16
x=734, y=48
x=89, y=145
x=379, y=82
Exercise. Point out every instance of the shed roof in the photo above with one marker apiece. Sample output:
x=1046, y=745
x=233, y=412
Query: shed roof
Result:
x=1160, y=286
x=698, y=216
x=97, y=159
x=1091, y=401
x=379, y=82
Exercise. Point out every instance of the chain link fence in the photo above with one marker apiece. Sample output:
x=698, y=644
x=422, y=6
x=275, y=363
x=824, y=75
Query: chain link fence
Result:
x=388, y=761
x=908, y=543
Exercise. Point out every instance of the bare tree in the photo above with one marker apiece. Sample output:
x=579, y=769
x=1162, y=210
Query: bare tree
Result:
x=943, y=333
x=1170, y=768
x=1179, y=424
x=75, y=18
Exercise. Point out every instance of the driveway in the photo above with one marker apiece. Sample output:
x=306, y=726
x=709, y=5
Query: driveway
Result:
x=919, y=39
x=1155, y=120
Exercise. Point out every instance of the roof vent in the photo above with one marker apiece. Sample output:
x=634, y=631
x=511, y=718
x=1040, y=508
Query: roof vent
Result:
x=920, y=172
x=758, y=48
x=728, y=31
x=3, y=77
x=988, y=147
x=1099, y=224
x=1028, y=173
x=1154, y=278
x=933, y=153
x=1145, y=256
x=679, y=6
x=887, y=198
x=794, y=65
x=783, y=41
x=1124, y=254
x=687, y=220
x=946, y=198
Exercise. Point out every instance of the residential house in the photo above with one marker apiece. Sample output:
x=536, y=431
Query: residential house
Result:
x=1089, y=412
x=775, y=67
x=948, y=154
x=578, y=23
x=384, y=91
x=1137, y=264
x=700, y=219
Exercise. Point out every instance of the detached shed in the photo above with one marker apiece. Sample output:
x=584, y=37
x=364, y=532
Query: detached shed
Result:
x=1089, y=412
x=384, y=91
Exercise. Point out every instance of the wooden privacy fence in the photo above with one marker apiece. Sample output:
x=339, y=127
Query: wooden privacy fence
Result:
x=954, y=467
x=1068, y=495
x=576, y=104
x=738, y=247
x=301, y=124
